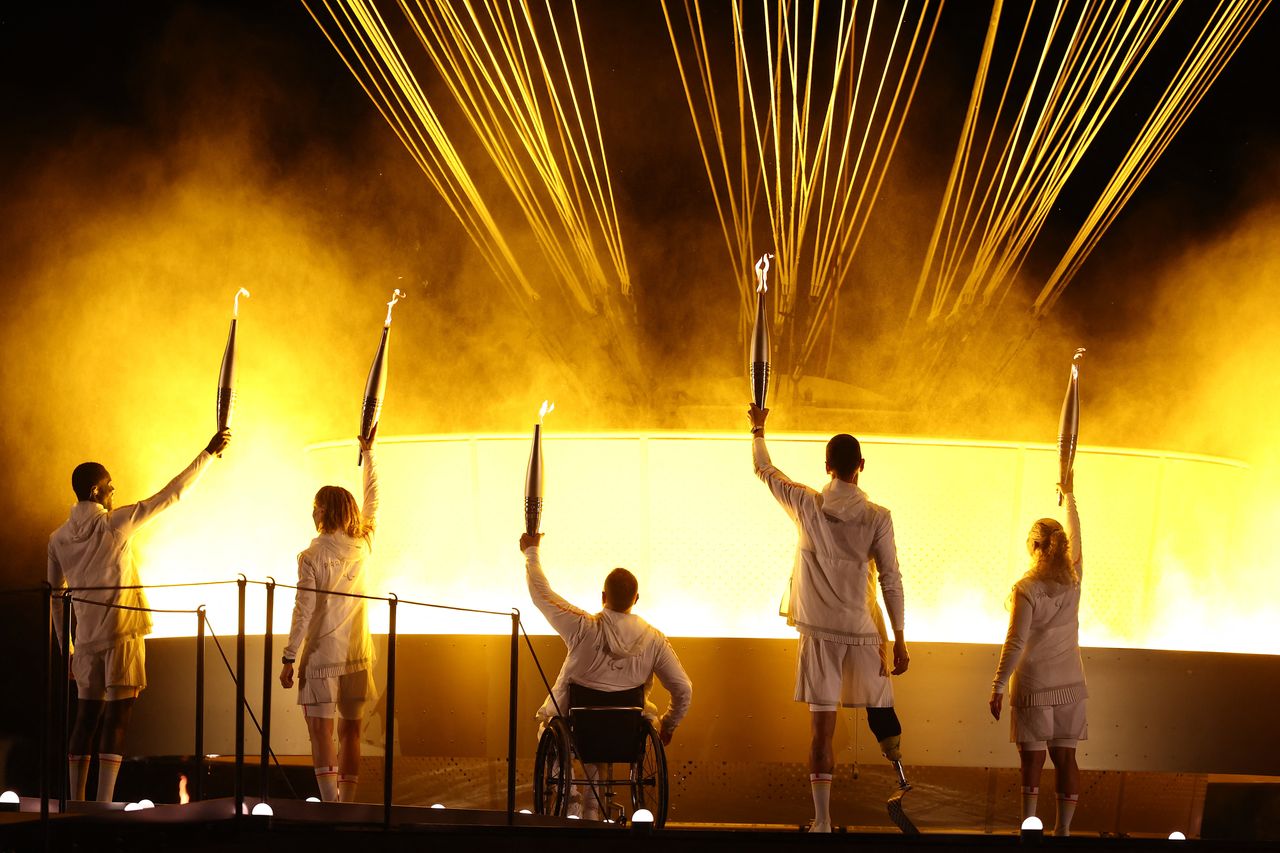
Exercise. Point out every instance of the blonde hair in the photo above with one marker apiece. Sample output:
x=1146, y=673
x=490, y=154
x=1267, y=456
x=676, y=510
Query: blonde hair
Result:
x=1051, y=553
x=339, y=513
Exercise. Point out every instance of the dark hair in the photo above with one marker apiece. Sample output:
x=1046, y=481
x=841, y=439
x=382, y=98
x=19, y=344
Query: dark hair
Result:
x=844, y=455
x=85, y=477
x=620, y=588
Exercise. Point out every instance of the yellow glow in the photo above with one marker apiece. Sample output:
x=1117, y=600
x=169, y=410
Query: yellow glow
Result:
x=713, y=551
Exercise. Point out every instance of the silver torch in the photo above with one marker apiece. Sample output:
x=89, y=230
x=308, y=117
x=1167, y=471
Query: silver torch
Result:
x=375, y=387
x=1069, y=425
x=533, y=475
x=227, y=375
x=760, y=337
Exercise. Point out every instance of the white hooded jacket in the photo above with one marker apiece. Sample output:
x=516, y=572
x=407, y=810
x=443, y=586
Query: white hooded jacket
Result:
x=94, y=548
x=333, y=630
x=845, y=542
x=608, y=650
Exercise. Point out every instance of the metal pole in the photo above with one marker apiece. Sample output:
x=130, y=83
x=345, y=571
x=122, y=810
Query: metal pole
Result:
x=241, y=584
x=387, y=766
x=199, y=770
x=265, y=785
x=511, y=717
x=66, y=699
x=46, y=727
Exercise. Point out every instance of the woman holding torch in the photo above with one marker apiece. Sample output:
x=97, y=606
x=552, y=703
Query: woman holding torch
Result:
x=331, y=630
x=1040, y=663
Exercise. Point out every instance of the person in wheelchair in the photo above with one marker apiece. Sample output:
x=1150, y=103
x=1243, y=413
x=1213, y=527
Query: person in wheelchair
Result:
x=613, y=650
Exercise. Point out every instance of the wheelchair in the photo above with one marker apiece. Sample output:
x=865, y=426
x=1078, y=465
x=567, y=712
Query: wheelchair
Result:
x=603, y=728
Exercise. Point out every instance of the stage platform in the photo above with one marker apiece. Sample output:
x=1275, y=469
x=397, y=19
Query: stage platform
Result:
x=212, y=825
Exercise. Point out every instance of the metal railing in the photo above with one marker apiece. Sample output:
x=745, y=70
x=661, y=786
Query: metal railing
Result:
x=66, y=596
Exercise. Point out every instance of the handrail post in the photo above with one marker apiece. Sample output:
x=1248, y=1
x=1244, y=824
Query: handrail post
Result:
x=199, y=768
x=511, y=716
x=388, y=761
x=46, y=730
x=241, y=584
x=265, y=793
x=66, y=699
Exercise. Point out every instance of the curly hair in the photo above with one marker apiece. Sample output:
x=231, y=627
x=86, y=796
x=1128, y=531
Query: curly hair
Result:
x=1051, y=553
x=339, y=513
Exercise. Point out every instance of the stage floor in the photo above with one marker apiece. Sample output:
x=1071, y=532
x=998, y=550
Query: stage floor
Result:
x=212, y=825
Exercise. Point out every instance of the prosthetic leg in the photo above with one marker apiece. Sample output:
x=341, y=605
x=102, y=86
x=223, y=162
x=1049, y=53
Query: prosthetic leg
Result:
x=888, y=731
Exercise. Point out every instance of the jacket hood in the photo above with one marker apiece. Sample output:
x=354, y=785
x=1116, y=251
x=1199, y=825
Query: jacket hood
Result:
x=622, y=634
x=339, y=545
x=842, y=500
x=85, y=516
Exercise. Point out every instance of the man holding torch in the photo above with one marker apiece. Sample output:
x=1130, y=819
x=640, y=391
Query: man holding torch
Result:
x=845, y=542
x=610, y=650
x=94, y=548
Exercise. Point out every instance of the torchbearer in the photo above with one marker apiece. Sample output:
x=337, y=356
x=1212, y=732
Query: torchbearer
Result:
x=1069, y=425
x=375, y=386
x=533, y=475
x=759, y=367
x=845, y=658
x=227, y=375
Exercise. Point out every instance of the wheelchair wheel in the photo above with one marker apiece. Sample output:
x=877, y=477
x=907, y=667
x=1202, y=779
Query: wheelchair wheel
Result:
x=649, y=778
x=552, y=768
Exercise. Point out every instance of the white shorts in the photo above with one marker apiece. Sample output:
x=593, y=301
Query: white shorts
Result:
x=113, y=673
x=829, y=674
x=1035, y=728
x=342, y=696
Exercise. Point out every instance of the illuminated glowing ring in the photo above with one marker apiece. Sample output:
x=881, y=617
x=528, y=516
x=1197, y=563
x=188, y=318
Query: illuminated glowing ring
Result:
x=649, y=788
x=550, y=781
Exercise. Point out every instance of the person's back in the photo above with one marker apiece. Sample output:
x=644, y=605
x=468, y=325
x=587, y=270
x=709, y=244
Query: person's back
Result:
x=613, y=649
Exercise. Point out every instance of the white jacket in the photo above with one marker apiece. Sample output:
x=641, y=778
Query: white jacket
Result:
x=1041, y=652
x=845, y=541
x=333, y=630
x=93, y=548
x=608, y=650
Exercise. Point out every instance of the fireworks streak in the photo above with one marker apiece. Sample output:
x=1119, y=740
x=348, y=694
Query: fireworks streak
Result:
x=521, y=82
x=813, y=143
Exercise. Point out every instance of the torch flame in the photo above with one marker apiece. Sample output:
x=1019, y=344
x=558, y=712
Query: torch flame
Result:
x=396, y=296
x=547, y=408
x=1079, y=354
x=762, y=272
x=183, y=796
x=235, y=302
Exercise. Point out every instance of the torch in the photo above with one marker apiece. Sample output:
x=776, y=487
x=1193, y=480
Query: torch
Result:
x=375, y=386
x=533, y=476
x=1069, y=425
x=227, y=375
x=759, y=367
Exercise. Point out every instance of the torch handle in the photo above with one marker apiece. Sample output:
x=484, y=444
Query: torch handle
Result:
x=532, y=515
x=760, y=371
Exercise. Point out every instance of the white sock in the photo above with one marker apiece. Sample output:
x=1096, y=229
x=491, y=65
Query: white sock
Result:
x=1066, y=811
x=108, y=770
x=327, y=780
x=78, y=773
x=1030, y=799
x=347, y=788
x=820, y=786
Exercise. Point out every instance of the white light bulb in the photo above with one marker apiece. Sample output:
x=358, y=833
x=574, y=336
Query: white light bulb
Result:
x=132, y=807
x=525, y=811
x=263, y=809
x=1033, y=824
x=313, y=799
x=146, y=804
x=1177, y=836
x=9, y=797
x=574, y=817
x=437, y=805
x=642, y=816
